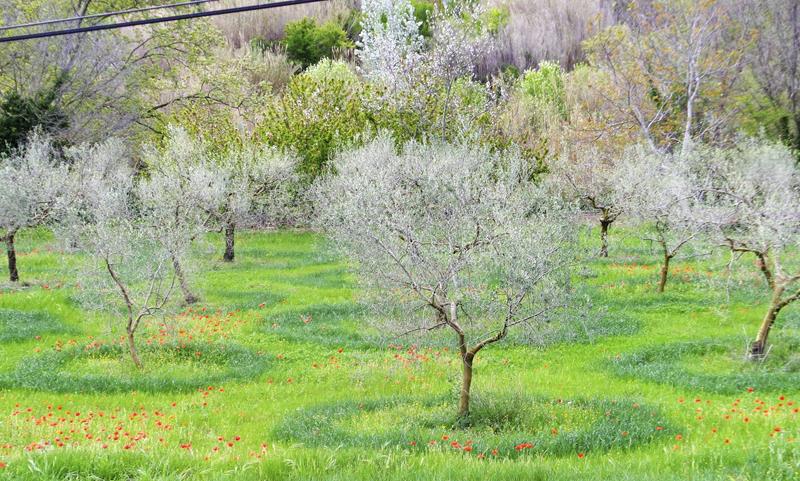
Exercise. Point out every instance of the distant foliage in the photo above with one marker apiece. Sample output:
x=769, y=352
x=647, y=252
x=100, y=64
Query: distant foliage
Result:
x=320, y=111
x=307, y=43
x=20, y=115
x=531, y=31
x=545, y=86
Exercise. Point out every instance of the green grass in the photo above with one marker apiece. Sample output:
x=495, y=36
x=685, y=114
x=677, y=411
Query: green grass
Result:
x=305, y=390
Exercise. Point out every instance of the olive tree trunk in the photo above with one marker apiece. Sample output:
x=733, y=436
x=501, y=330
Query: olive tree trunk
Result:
x=188, y=296
x=604, y=224
x=132, y=348
x=466, y=384
x=759, y=347
x=13, y=273
x=662, y=282
x=230, y=238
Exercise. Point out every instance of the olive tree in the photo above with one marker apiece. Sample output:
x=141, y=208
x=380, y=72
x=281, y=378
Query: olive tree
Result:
x=176, y=196
x=449, y=237
x=253, y=177
x=664, y=193
x=34, y=187
x=755, y=202
x=588, y=175
x=127, y=263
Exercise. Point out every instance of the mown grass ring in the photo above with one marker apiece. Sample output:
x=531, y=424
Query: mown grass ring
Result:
x=108, y=368
x=16, y=325
x=668, y=364
x=501, y=427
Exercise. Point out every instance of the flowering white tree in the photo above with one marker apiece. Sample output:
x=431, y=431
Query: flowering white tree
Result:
x=34, y=187
x=449, y=237
x=425, y=82
x=664, y=193
x=128, y=261
x=589, y=175
x=177, y=195
x=390, y=48
x=755, y=202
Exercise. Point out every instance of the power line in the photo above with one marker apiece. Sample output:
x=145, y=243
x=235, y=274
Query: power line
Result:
x=105, y=14
x=148, y=21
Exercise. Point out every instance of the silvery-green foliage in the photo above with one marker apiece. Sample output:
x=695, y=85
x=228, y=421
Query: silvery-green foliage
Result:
x=180, y=189
x=588, y=174
x=256, y=181
x=126, y=266
x=663, y=192
x=753, y=201
x=448, y=236
x=34, y=185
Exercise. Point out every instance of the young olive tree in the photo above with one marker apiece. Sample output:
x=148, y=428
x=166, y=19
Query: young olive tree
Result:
x=176, y=196
x=34, y=187
x=663, y=191
x=129, y=263
x=588, y=175
x=449, y=237
x=252, y=177
x=755, y=200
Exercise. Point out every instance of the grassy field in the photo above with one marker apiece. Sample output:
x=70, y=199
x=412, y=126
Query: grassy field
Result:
x=275, y=375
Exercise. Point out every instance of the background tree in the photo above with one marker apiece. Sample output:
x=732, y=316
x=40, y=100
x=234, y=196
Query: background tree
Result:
x=253, y=178
x=176, y=195
x=20, y=115
x=34, y=188
x=321, y=110
x=106, y=83
x=425, y=87
x=589, y=176
x=455, y=237
x=774, y=65
x=663, y=192
x=307, y=43
x=754, y=202
x=673, y=67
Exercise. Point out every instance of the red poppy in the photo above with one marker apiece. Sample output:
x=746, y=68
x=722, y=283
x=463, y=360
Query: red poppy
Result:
x=581, y=455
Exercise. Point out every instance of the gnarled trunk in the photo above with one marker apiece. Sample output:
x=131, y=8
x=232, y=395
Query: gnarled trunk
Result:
x=230, y=233
x=466, y=384
x=134, y=352
x=13, y=274
x=662, y=282
x=759, y=347
x=188, y=297
x=604, y=223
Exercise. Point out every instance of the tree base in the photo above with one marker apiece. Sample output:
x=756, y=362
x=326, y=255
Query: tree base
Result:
x=757, y=351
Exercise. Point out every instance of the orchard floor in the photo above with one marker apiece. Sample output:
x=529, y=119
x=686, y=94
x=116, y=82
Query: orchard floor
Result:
x=273, y=376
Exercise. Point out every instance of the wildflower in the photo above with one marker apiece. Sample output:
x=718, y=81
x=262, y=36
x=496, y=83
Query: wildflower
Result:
x=494, y=452
x=3, y=465
x=678, y=437
x=581, y=455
